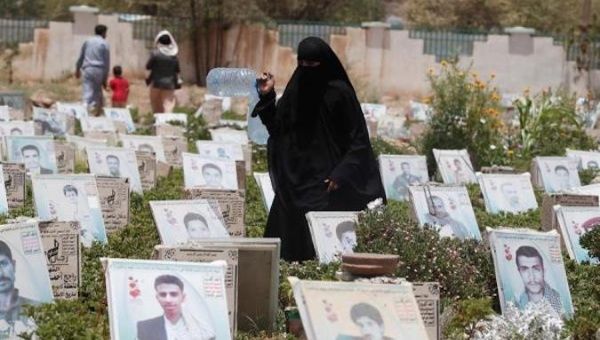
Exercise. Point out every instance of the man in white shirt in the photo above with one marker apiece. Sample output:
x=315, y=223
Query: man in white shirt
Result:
x=93, y=63
x=173, y=324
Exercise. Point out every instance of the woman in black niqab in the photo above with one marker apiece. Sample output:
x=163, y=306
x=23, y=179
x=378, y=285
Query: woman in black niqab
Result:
x=319, y=153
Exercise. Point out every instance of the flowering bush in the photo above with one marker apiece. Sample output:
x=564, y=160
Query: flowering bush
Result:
x=466, y=114
x=464, y=269
x=536, y=321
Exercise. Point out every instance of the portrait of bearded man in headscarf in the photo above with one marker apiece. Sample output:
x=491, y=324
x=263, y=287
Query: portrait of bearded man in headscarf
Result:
x=320, y=156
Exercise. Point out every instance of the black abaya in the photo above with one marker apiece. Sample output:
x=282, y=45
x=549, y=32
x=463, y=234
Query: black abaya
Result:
x=317, y=132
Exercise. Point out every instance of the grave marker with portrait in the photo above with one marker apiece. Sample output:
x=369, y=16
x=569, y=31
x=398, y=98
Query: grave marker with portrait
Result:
x=68, y=198
x=231, y=203
x=447, y=209
x=201, y=172
x=121, y=115
x=17, y=128
x=141, y=294
x=181, y=221
x=199, y=254
x=333, y=233
x=151, y=144
x=398, y=172
x=455, y=166
x=3, y=192
x=48, y=122
x=574, y=222
x=352, y=310
x=174, y=148
x=77, y=110
x=529, y=268
x=557, y=174
x=36, y=152
x=115, y=162
x=586, y=160
x=25, y=274
x=508, y=193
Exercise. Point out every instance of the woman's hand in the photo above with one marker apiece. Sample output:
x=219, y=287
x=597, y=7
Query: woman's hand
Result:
x=265, y=83
x=331, y=185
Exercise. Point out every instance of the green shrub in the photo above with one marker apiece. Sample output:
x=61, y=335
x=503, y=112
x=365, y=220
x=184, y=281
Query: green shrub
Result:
x=584, y=284
x=464, y=315
x=464, y=269
x=465, y=116
x=591, y=242
x=547, y=125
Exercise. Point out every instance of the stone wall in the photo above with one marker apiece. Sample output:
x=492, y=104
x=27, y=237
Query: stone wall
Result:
x=385, y=61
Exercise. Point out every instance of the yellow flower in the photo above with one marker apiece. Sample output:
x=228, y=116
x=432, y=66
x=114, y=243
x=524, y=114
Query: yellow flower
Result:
x=444, y=64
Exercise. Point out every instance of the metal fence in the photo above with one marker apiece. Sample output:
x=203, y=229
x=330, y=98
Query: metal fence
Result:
x=446, y=45
x=14, y=31
x=292, y=32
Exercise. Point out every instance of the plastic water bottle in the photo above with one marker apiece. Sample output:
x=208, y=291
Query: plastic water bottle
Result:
x=238, y=82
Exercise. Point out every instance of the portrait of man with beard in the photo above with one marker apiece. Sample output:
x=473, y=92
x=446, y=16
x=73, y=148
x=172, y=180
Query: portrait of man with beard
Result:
x=531, y=269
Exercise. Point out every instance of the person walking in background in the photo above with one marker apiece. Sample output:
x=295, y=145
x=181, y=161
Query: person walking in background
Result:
x=164, y=73
x=319, y=153
x=119, y=87
x=94, y=63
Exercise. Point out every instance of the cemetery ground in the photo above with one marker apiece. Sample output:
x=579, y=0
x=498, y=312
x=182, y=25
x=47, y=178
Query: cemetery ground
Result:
x=466, y=115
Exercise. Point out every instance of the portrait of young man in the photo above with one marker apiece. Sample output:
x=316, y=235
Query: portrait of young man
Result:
x=31, y=157
x=213, y=176
x=174, y=323
x=530, y=265
x=114, y=165
x=10, y=301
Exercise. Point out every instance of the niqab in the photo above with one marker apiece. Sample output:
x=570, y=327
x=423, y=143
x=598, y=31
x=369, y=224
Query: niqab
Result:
x=317, y=133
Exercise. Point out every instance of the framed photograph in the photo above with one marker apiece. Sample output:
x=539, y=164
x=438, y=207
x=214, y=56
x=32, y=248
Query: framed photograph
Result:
x=575, y=222
x=77, y=110
x=181, y=221
x=529, y=267
x=258, y=278
x=508, y=193
x=220, y=150
x=201, y=172
x=392, y=127
x=455, y=166
x=266, y=188
x=120, y=115
x=24, y=273
x=398, y=172
x=333, y=233
x=3, y=194
x=232, y=204
x=587, y=160
x=69, y=198
x=97, y=124
x=447, y=209
x=115, y=162
x=4, y=113
x=36, y=152
x=152, y=144
x=13, y=99
x=50, y=122
x=353, y=310
x=229, y=135
x=558, y=174
x=168, y=118
x=17, y=128
x=200, y=254
x=144, y=296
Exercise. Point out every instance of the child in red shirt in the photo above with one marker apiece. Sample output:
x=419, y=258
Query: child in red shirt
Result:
x=119, y=87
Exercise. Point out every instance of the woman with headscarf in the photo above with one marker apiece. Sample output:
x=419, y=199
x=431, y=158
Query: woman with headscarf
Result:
x=164, y=73
x=320, y=156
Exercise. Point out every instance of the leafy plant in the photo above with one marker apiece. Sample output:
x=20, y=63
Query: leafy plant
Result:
x=466, y=114
x=547, y=124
